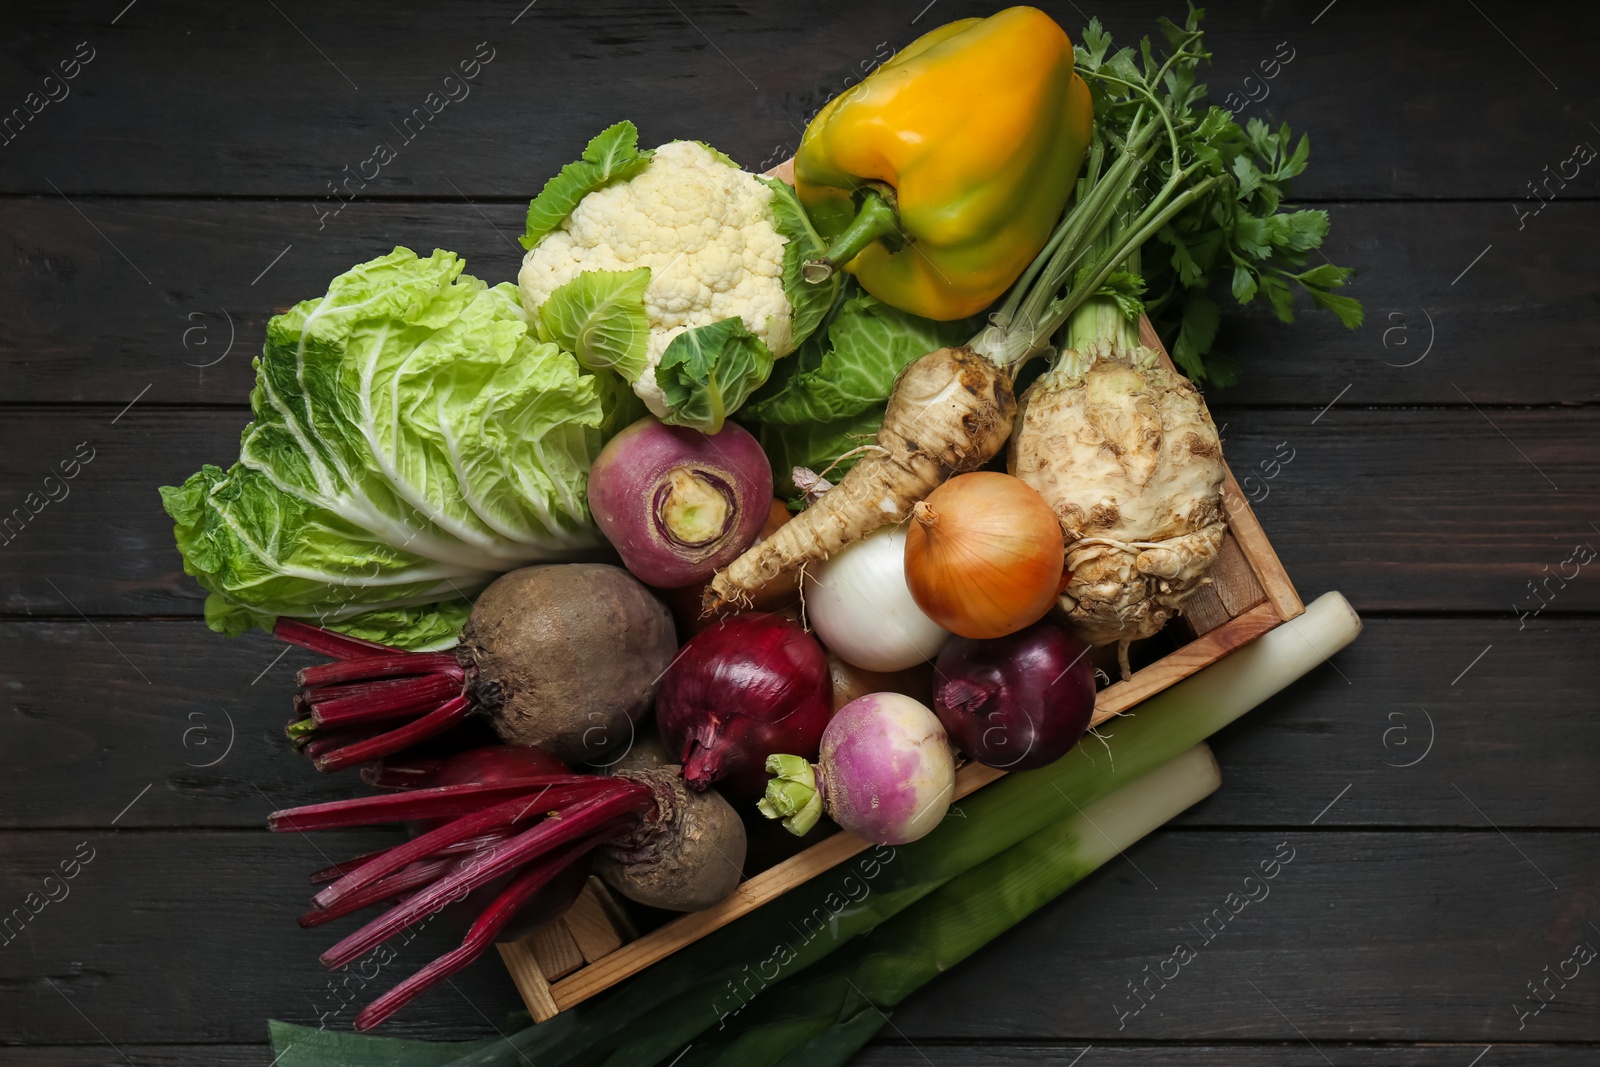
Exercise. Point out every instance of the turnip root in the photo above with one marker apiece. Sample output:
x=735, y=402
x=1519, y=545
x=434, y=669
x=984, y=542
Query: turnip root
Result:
x=564, y=657
x=950, y=412
x=885, y=773
x=1127, y=456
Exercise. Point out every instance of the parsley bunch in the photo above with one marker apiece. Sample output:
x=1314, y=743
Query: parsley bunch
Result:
x=1166, y=168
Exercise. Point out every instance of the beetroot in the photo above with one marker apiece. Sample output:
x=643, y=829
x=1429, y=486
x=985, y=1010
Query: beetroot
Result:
x=564, y=657
x=498, y=819
x=749, y=686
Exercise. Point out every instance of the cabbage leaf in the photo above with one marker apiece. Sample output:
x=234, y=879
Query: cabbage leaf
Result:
x=412, y=440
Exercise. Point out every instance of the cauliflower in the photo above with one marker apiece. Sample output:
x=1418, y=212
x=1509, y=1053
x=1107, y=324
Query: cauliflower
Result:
x=716, y=240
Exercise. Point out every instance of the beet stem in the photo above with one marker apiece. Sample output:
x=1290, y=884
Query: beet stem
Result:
x=482, y=934
x=395, y=885
x=378, y=701
x=439, y=801
x=406, y=775
x=385, y=666
x=327, y=642
x=314, y=743
x=435, y=722
x=476, y=823
x=582, y=819
x=350, y=866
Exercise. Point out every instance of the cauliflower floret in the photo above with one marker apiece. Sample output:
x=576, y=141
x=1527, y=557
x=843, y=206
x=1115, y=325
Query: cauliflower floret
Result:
x=705, y=230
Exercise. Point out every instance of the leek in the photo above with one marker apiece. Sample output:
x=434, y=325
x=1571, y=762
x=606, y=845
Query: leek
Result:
x=825, y=1016
x=660, y=1010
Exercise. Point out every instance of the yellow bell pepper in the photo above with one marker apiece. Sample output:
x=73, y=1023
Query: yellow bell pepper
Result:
x=939, y=177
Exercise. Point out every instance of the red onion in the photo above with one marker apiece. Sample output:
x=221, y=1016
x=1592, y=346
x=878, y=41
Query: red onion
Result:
x=677, y=504
x=1019, y=701
x=750, y=686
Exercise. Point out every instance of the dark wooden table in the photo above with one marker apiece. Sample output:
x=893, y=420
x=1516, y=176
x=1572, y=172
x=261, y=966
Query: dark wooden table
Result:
x=1437, y=784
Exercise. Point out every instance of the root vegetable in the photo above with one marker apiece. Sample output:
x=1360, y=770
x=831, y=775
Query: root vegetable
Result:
x=851, y=682
x=1016, y=702
x=950, y=412
x=751, y=685
x=676, y=503
x=511, y=843
x=885, y=773
x=983, y=555
x=565, y=658
x=1127, y=457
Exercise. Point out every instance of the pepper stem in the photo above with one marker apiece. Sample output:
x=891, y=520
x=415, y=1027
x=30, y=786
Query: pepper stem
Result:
x=876, y=220
x=792, y=795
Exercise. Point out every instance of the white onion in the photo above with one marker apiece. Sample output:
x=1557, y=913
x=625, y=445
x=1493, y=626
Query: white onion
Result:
x=860, y=607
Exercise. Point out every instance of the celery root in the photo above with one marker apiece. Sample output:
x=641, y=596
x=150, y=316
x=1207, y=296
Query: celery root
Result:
x=1127, y=456
x=951, y=411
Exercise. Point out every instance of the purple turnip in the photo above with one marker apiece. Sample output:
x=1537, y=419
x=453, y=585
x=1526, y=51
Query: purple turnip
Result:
x=678, y=504
x=749, y=686
x=563, y=657
x=885, y=773
x=1016, y=702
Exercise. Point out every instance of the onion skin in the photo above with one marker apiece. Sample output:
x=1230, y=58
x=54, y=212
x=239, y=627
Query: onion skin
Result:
x=1016, y=702
x=852, y=683
x=885, y=771
x=642, y=486
x=860, y=607
x=984, y=555
x=751, y=685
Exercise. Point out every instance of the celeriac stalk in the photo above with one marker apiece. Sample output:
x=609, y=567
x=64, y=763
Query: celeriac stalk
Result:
x=823, y=1017
x=660, y=1010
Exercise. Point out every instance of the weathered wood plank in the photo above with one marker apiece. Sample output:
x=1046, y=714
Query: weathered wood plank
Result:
x=79, y=306
x=1288, y=1054
x=904, y=1055
x=1372, y=937
x=1524, y=713
x=1377, y=936
x=280, y=103
x=191, y=936
x=1401, y=510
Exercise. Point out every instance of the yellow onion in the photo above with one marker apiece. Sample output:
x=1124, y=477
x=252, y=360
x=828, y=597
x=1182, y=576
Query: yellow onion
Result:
x=984, y=555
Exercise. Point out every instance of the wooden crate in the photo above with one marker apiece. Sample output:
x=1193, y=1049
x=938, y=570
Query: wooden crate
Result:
x=592, y=949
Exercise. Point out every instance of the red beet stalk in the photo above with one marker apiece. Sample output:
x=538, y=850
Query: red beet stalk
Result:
x=373, y=701
x=327, y=642
x=478, y=939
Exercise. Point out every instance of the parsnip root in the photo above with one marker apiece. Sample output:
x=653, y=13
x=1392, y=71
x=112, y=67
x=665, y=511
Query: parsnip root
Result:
x=951, y=411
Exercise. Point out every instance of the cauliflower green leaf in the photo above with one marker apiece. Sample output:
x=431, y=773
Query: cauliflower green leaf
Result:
x=707, y=372
x=810, y=302
x=599, y=317
x=613, y=155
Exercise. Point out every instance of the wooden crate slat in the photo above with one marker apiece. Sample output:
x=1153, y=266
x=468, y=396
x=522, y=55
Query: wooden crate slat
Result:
x=555, y=950
x=519, y=960
x=592, y=925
